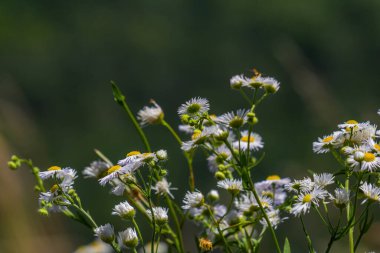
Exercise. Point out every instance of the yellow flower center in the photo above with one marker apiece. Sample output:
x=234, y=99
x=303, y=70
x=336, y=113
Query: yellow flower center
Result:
x=377, y=147
x=265, y=204
x=353, y=122
x=133, y=153
x=273, y=177
x=196, y=134
x=307, y=198
x=369, y=157
x=246, y=139
x=54, y=188
x=52, y=168
x=328, y=139
x=113, y=169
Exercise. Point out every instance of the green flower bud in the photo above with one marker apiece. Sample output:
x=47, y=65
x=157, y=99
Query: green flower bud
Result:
x=219, y=175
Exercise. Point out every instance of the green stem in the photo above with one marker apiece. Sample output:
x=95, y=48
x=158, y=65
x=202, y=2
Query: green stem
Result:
x=138, y=233
x=171, y=130
x=158, y=239
x=176, y=222
x=309, y=243
x=219, y=230
x=120, y=99
x=264, y=214
x=351, y=229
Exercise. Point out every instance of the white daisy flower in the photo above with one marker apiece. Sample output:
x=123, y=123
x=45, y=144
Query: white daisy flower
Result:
x=247, y=203
x=323, y=145
x=66, y=174
x=193, y=199
x=194, y=106
x=54, y=200
x=213, y=195
x=371, y=192
x=162, y=187
x=306, y=200
x=124, y=210
x=362, y=135
x=95, y=170
x=128, y=238
x=270, y=84
x=162, y=155
x=115, y=172
x=365, y=161
x=270, y=182
x=135, y=157
x=341, y=198
x=105, y=233
x=253, y=142
x=150, y=115
x=199, y=137
x=160, y=215
x=238, y=81
x=353, y=124
x=234, y=186
x=323, y=180
x=374, y=146
x=304, y=185
x=233, y=119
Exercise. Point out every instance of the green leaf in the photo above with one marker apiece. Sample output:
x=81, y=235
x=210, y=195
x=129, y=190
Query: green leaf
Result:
x=287, y=246
x=117, y=95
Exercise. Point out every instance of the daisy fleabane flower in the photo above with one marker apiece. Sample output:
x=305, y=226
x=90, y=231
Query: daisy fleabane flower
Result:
x=324, y=144
x=194, y=106
x=150, y=115
x=324, y=179
x=124, y=210
x=371, y=192
x=247, y=203
x=238, y=81
x=66, y=174
x=233, y=119
x=303, y=185
x=364, y=161
x=128, y=238
x=193, y=199
x=270, y=84
x=160, y=215
x=162, y=187
x=95, y=170
x=253, y=141
x=234, y=186
x=341, y=198
x=352, y=124
x=105, y=233
x=306, y=199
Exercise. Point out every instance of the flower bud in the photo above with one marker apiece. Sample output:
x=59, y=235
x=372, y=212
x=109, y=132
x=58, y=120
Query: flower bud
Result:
x=219, y=175
x=213, y=195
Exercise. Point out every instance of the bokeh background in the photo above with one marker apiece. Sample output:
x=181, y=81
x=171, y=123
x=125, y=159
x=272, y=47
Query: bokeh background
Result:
x=56, y=106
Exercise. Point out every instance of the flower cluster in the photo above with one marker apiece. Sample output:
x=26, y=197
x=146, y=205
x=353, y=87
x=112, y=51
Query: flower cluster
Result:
x=236, y=212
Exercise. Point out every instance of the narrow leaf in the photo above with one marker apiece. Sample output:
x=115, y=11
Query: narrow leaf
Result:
x=287, y=246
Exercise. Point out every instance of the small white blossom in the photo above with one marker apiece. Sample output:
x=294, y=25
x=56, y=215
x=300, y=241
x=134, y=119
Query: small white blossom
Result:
x=95, y=170
x=371, y=192
x=306, y=200
x=238, y=81
x=341, y=198
x=124, y=210
x=150, y=115
x=324, y=179
x=105, y=233
x=192, y=199
x=160, y=215
x=162, y=187
x=234, y=186
x=253, y=141
x=65, y=174
x=323, y=145
x=194, y=106
x=128, y=238
x=274, y=219
x=233, y=119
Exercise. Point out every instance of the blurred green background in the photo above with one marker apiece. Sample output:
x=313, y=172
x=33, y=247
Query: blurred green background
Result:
x=56, y=106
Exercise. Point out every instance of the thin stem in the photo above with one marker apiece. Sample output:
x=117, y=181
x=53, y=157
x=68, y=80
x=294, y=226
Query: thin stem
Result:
x=120, y=99
x=176, y=222
x=351, y=229
x=158, y=239
x=171, y=130
x=264, y=214
x=219, y=230
x=309, y=243
x=138, y=232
